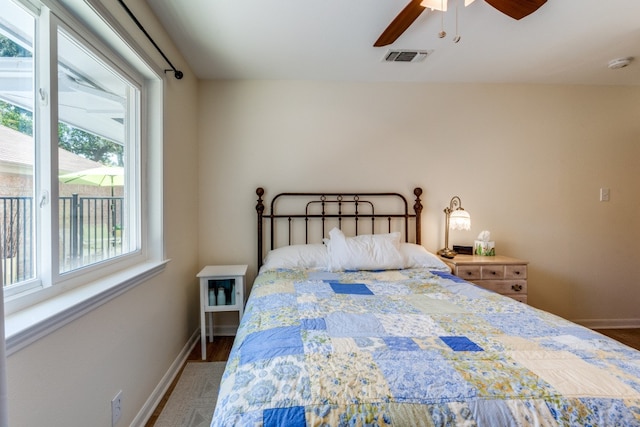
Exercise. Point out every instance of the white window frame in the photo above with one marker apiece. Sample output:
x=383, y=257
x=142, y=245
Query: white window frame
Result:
x=60, y=298
x=133, y=169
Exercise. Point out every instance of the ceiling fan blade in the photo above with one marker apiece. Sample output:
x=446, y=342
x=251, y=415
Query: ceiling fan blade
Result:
x=517, y=9
x=399, y=25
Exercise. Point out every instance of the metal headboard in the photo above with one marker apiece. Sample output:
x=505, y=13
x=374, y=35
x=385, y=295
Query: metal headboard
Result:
x=359, y=209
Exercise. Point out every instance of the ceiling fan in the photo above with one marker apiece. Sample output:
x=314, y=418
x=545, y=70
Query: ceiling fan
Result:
x=517, y=9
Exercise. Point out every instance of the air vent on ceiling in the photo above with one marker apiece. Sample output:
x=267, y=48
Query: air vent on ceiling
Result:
x=406, y=55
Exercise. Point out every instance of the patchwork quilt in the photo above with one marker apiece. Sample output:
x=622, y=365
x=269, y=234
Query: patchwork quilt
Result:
x=416, y=348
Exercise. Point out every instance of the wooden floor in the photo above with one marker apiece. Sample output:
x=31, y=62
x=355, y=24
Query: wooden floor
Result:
x=218, y=351
x=630, y=337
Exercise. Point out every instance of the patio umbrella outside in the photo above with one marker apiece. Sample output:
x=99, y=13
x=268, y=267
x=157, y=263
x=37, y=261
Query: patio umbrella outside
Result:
x=104, y=176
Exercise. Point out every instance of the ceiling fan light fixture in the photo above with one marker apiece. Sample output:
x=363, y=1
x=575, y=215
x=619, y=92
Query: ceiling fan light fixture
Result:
x=516, y=9
x=441, y=5
x=435, y=5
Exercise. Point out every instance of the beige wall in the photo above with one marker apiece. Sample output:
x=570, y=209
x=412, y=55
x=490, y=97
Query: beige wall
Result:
x=69, y=377
x=527, y=161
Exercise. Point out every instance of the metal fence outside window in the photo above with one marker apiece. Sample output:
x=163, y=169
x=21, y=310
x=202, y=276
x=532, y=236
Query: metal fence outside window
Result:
x=16, y=238
x=90, y=231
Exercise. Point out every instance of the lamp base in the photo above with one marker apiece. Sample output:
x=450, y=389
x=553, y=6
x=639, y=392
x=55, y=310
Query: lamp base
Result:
x=447, y=253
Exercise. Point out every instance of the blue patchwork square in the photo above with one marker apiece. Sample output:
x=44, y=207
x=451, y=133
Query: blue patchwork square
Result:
x=317, y=324
x=525, y=324
x=449, y=276
x=281, y=341
x=401, y=344
x=290, y=417
x=461, y=344
x=354, y=325
x=423, y=377
x=350, y=288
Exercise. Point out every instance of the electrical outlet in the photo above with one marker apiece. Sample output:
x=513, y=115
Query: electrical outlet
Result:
x=116, y=408
x=604, y=194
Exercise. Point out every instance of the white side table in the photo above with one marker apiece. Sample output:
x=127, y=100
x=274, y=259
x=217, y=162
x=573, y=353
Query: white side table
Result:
x=221, y=289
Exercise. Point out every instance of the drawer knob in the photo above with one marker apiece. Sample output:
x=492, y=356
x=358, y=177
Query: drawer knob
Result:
x=493, y=272
x=516, y=287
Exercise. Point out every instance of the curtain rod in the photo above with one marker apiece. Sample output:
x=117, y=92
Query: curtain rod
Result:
x=177, y=73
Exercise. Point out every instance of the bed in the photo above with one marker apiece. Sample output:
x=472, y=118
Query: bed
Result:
x=351, y=322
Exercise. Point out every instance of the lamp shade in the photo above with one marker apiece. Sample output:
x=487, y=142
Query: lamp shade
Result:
x=460, y=220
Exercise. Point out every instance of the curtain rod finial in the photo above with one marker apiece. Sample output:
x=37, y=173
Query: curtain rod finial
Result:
x=177, y=73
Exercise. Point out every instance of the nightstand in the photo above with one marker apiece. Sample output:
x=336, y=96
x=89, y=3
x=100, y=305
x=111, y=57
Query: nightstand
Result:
x=501, y=274
x=221, y=289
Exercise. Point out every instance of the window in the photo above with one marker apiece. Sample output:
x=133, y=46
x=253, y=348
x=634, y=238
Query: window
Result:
x=71, y=120
x=97, y=110
x=17, y=240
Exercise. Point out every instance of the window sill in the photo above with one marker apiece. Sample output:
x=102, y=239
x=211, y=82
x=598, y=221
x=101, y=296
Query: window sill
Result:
x=26, y=326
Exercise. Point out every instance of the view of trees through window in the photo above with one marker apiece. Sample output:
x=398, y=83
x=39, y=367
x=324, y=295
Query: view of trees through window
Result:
x=72, y=139
x=82, y=240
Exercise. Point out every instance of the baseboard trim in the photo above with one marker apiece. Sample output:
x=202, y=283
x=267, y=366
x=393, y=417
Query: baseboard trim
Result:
x=609, y=323
x=158, y=393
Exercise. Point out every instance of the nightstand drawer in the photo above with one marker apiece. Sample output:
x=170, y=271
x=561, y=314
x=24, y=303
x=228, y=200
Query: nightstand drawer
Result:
x=468, y=272
x=504, y=287
x=490, y=272
x=515, y=272
x=501, y=274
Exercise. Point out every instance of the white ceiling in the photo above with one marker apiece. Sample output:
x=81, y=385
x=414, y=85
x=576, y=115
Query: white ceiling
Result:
x=565, y=41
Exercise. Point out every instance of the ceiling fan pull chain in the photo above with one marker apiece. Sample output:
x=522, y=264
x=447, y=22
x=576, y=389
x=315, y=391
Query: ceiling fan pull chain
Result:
x=456, y=39
x=442, y=34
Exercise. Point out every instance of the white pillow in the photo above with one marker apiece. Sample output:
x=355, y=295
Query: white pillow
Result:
x=297, y=256
x=364, y=252
x=416, y=256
